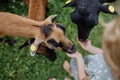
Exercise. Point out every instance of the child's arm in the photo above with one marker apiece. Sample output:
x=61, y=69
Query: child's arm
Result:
x=80, y=65
x=86, y=45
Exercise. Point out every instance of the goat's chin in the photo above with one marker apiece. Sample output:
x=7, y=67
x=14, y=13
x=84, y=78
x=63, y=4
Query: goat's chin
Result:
x=70, y=52
x=82, y=40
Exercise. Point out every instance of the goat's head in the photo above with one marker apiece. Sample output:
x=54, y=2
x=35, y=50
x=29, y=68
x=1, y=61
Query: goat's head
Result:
x=53, y=35
x=53, y=38
x=86, y=14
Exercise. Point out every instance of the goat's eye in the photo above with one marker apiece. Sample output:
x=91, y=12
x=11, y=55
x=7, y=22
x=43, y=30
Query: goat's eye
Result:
x=60, y=44
x=53, y=42
x=61, y=27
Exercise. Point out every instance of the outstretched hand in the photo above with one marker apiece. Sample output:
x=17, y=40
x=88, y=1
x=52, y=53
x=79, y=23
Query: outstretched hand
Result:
x=86, y=45
x=74, y=55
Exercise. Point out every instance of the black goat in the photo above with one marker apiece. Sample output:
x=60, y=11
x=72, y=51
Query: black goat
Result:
x=86, y=14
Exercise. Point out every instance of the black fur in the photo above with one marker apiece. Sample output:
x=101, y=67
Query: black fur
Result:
x=28, y=42
x=61, y=27
x=9, y=40
x=51, y=53
x=53, y=42
x=46, y=30
x=85, y=15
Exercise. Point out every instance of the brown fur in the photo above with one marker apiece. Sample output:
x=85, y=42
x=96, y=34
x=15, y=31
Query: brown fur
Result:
x=111, y=46
x=37, y=9
x=14, y=25
x=112, y=41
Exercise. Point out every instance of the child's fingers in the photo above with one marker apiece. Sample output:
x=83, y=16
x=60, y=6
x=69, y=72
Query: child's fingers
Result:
x=82, y=43
x=73, y=55
x=69, y=55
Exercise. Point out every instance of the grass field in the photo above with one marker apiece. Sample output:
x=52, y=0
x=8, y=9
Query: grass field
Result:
x=19, y=65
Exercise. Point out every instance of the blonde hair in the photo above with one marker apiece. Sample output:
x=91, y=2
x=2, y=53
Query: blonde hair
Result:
x=111, y=41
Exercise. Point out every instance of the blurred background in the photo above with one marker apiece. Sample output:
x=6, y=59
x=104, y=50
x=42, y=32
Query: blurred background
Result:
x=19, y=65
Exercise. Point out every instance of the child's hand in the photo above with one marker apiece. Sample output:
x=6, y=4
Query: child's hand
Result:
x=86, y=45
x=74, y=55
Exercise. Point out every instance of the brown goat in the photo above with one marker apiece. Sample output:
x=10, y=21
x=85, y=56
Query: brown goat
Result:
x=37, y=11
x=52, y=34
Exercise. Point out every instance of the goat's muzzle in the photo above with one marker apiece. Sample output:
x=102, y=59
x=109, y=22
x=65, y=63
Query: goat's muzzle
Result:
x=70, y=50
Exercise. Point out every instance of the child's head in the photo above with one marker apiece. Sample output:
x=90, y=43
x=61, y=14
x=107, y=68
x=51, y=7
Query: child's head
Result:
x=111, y=46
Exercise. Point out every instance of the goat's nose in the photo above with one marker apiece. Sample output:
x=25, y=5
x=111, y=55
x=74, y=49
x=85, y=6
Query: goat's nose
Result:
x=72, y=49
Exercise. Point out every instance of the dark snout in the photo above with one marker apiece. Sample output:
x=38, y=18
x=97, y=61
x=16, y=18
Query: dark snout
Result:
x=69, y=49
x=72, y=49
x=83, y=33
x=82, y=40
x=83, y=36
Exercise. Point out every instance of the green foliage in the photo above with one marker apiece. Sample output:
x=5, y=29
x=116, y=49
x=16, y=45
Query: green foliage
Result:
x=17, y=64
x=13, y=6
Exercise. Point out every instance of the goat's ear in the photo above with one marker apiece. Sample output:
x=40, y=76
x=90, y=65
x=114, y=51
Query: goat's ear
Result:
x=70, y=3
x=51, y=18
x=109, y=1
x=108, y=9
x=34, y=47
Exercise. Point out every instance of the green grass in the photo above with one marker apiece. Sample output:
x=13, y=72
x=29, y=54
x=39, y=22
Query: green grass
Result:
x=19, y=65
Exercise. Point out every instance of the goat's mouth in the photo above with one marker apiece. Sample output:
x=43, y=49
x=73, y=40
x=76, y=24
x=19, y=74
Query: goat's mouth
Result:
x=81, y=40
x=70, y=50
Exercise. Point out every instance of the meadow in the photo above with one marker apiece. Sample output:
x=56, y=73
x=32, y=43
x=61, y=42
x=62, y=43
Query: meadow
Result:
x=17, y=64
